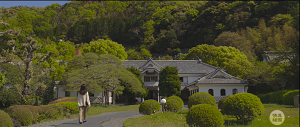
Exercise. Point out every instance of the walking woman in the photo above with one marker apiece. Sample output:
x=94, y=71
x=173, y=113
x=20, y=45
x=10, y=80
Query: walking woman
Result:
x=83, y=101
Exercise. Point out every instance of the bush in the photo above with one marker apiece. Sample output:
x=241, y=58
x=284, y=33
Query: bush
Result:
x=8, y=98
x=71, y=107
x=34, y=111
x=244, y=106
x=201, y=98
x=204, y=115
x=48, y=112
x=149, y=107
x=21, y=114
x=221, y=101
x=5, y=120
x=288, y=98
x=264, y=98
x=276, y=97
x=174, y=104
x=16, y=123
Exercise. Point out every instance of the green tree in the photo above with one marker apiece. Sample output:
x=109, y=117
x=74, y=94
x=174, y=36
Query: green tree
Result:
x=106, y=47
x=228, y=58
x=2, y=80
x=169, y=83
x=27, y=59
x=102, y=73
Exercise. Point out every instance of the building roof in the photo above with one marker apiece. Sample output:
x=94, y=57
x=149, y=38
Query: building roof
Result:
x=218, y=77
x=184, y=66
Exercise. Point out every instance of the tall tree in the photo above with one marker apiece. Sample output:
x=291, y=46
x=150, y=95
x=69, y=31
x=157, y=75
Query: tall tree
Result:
x=169, y=83
x=26, y=58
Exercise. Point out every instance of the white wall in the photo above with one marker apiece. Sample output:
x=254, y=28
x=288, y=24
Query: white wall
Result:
x=73, y=94
x=217, y=89
x=61, y=92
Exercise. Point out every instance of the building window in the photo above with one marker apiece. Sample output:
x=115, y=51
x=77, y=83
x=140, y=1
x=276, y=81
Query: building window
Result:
x=181, y=79
x=223, y=93
x=67, y=93
x=150, y=79
x=234, y=91
x=211, y=92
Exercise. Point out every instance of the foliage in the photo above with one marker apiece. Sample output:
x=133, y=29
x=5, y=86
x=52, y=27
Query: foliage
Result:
x=221, y=102
x=71, y=107
x=264, y=98
x=174, y=104
x=228, y=58
x=5, y=120
x=102, y=46
x=277, y=97
x=102, y=73
x=21, y=114
x=2, y=80
x=288, y=98
x=169, y=83
x=204, y=115
x=12, y=73
x=49, y=112
x=9, y=97
x=201, y=98
x=245, y=106
x=149, y=107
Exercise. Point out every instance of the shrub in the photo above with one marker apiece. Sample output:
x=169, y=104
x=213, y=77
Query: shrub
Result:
x=8, y=98
x=288, y=98
x=276, y=97
x=16, y=123
x=5, y=120
x=244, y=106
x=174, y=104
x=34, y=111
x=21, y=114
x=264, y=98
x=71, y=107
x=204, y=115
x=221, y=101
x=149, y=107
x=201, y=98
x=48, y=112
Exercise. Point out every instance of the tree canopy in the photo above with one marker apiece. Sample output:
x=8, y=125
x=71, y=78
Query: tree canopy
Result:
x=169, y=83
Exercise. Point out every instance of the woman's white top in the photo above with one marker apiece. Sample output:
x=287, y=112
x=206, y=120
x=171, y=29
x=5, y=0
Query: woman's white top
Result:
x=81, y=99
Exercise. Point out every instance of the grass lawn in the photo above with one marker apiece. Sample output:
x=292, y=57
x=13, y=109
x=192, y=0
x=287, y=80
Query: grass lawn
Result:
x=178, y=119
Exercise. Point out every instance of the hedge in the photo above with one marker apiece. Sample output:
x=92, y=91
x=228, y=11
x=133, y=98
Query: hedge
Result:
x=21, y=114
x=5, y=120
x=288, y=98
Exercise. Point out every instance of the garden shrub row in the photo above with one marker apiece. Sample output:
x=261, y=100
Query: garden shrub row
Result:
x=203, y=113
x=279, y=97
x=28, y=114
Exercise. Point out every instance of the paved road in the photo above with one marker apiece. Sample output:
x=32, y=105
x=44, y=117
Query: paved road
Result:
x=111, y=119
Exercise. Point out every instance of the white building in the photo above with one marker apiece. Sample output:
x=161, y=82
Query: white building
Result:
x=195, y=76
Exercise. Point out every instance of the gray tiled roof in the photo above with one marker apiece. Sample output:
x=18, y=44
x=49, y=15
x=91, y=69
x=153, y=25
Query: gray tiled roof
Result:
x=184, y=66
x=211, y=78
